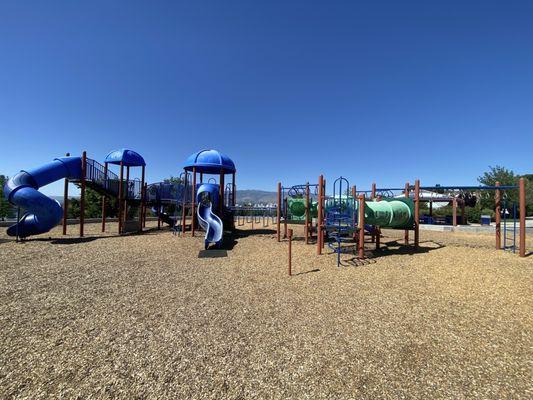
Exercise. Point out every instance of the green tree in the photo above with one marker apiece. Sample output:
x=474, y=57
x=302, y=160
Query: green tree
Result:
x=93, y=205
x=5, y=207
x=505, y=177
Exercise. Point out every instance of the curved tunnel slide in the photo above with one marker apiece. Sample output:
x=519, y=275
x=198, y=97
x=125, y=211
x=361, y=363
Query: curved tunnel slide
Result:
x=207, y=196
x=41, y=212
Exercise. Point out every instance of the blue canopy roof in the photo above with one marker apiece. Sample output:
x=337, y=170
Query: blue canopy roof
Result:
x=210, y=162
x=129, y=158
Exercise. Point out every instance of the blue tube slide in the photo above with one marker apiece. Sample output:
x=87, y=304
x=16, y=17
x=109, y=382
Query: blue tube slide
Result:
x=41, y=212
x=207, y=198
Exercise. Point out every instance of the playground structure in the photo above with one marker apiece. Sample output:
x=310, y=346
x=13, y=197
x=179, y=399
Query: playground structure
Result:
x=43, y=213
x=344, y=217
x=210, y=204
x=347, y=216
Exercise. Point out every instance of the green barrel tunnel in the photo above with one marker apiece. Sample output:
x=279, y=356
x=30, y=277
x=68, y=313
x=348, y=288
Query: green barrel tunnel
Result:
x=396, y=212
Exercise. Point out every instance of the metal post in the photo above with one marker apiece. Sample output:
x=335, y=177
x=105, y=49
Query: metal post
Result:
x=17, y=233
x=104, y=197
x=498, y=216
x=221, y=188
x=290, y=252
x=361, y=244
x=120, y=197
x=142, y=200
x=454, y=211
x=184, y=205
x=322, y=241
x=522, y=200
x=285, y=208
x=127, y=194
x=144, y=208
x=406, y=232
x=319, y=215
x=233, y=190
x=193, y=200
x=278, y=213
x=82, y=193
x=417, y=213
x=306, y=230
x=354, y=196
x=373, y=193
x=65, y=203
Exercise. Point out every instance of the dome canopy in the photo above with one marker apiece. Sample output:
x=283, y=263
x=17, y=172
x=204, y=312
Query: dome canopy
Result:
x=210, y=162
x=129, y=158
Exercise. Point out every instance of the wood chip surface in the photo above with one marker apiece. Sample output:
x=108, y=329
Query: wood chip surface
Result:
x=141, y=316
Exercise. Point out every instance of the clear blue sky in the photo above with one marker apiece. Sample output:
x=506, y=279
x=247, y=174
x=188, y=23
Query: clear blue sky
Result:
x=384, y=91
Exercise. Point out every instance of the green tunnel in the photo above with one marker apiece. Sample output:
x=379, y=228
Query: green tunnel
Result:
x=296, y=208
x=388, y=213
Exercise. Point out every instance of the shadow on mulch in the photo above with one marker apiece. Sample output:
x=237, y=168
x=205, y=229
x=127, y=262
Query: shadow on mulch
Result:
x=212, y=253
x=251, y=232
x=395, y=248
x=5, y=241
x=386, y=249
x=307, y=272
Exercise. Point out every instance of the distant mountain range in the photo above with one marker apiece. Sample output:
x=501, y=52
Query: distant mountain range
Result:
x=256, y=196
x=243, y=196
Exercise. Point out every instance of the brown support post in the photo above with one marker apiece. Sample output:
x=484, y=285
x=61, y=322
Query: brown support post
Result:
x=454, y=211
x=184, y=205
x=194, y=200
x=406, y=232
x=104, y=197
x=144, y=208
x=233, y=190
x=361, y=244
x=159, y=216
x=372, y=197
x=222, y=188
x=417, y=213
x=120, y=197
x=142, y=200
x=463, y=213
x=127, y=194
x=306, y=229
x=498, y=215
x=377, y=230
x=323, y=212
x=65, y=203
x=354, y=195
x=285, y=208
x=201, y=177
x=522, y=206
x=290, y=252
x=82, y=192
x=278, y=212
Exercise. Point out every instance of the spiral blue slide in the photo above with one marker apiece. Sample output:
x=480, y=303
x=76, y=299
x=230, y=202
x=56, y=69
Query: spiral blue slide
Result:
x=207, y=197
x=41, y=212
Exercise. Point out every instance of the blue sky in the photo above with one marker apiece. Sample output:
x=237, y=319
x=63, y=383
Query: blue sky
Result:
x=384, y=91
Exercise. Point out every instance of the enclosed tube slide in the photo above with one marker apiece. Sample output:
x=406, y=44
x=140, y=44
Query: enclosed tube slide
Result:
x=390, y=213
x=395, y=212
x=41, y=212
x=207, y=198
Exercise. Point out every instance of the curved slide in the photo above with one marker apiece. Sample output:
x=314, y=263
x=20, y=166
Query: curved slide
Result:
x=42, y=213
x=207, y=196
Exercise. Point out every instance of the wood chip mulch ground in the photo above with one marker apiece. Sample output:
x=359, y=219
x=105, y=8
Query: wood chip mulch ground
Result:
x=141, y=316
